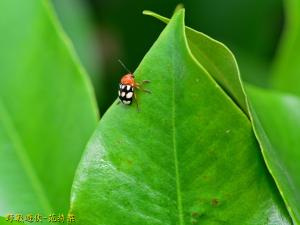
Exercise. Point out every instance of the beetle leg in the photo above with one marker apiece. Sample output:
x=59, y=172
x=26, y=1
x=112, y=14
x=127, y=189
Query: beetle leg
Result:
x=145, y=90
x=138, y=86
x=137, y=104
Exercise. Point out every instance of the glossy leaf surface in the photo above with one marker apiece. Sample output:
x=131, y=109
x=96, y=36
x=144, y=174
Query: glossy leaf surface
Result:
x=188, y=157
x=220, y=63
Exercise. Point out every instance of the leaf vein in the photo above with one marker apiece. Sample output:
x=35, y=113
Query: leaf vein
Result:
x=178, y=188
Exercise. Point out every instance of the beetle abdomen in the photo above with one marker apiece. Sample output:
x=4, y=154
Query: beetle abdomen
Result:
x=126, y=93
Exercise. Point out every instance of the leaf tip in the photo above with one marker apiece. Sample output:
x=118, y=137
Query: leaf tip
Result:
x=147, y=12
x=179, y=10
x=179, y=7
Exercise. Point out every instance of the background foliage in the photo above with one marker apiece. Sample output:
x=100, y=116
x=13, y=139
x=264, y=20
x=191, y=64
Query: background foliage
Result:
x=47, y=107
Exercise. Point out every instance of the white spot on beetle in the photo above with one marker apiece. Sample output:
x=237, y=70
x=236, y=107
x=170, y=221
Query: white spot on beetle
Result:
x=123, y=87
x=126, y=102
x=119, y=93
x=128, y=87
x=129, y=95
x=123, y=94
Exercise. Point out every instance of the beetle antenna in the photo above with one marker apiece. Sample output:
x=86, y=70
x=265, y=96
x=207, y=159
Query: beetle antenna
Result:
x=122, y=64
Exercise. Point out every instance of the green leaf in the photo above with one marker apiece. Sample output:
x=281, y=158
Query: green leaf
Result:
x=217, y=59
x=220, y=63
x=47, y=110
x=188, y=157
x=286, y=67
x=279, y=136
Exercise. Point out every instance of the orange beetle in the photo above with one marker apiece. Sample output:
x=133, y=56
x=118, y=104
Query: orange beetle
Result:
x=126, y=88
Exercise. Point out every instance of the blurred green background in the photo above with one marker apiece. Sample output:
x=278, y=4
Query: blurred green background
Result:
x=105, y=31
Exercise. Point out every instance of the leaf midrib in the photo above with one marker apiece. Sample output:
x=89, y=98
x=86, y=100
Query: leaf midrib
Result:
x=20, y=150
x=178, y=189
